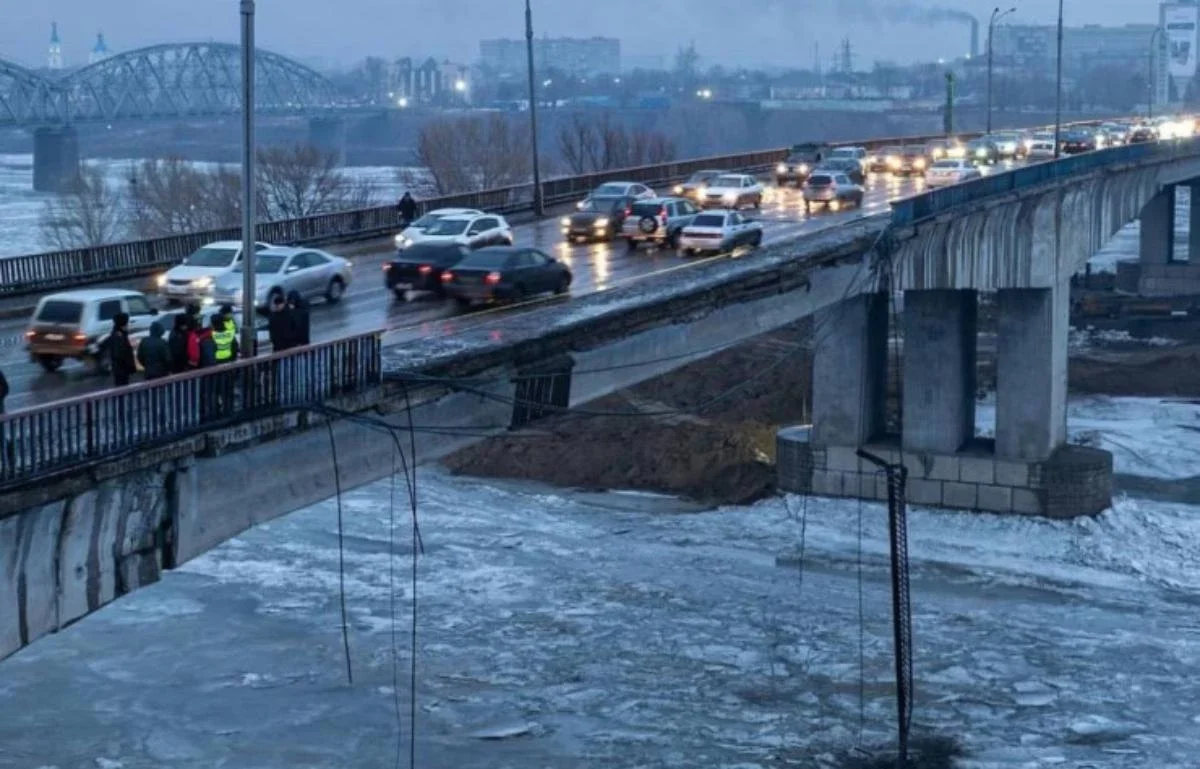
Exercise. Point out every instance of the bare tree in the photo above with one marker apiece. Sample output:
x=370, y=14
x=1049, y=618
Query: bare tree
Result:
x=173, y=196
x=88, y=213
x=474, y=153
x=591, y=143
x=302, y=181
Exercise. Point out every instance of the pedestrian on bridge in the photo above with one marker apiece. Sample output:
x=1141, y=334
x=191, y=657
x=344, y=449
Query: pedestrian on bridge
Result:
x=297, y=310
x=154, y=354
x=177, y=343
x=407, y=208
x=120, y=350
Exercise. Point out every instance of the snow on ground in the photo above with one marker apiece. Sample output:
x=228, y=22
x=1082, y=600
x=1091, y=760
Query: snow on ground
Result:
x=1088, y=338
x=561, y=629
x=1150, y=437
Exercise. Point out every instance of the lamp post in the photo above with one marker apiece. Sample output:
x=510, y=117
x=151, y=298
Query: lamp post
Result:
x=1152, y=81
x=997, y=15
x=538, y=206
x=1058, y=87
x=249, y=332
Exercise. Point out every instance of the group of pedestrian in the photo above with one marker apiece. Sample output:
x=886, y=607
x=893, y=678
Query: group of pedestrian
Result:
x=288, y=322
x=191, y=345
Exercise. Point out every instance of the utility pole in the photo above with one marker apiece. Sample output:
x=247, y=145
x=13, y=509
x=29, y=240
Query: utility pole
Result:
x=949, y=116
x=996, y=16
x=539, y=208
x=1058, y=87
x=1152, y=81
x=249, y=308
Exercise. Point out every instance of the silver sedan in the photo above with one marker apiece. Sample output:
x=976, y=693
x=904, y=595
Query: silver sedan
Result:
x=280, y=271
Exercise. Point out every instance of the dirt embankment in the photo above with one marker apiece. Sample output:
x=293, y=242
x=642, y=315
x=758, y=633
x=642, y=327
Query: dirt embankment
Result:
x=707, y=431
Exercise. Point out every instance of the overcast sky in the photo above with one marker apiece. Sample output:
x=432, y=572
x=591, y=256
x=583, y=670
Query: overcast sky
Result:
x=745, y=32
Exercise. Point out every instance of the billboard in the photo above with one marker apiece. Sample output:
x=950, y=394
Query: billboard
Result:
x=1179, y=28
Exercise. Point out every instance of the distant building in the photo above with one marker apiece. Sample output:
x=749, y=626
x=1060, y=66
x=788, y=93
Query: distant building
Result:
x=410, y=83
x=1034, y=47
x=54, y=60
x=99, y=50
x=581, y=57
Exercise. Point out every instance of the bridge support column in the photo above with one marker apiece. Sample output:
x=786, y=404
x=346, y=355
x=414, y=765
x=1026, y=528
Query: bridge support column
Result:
x=939, y=370
x=328, y=134
x=1028, y=469
x=1194, y=223
x=1159, y=272
x=55, y=158
x=1157, y=237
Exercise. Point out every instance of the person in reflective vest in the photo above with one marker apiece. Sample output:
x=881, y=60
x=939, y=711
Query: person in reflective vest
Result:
x=224, y=337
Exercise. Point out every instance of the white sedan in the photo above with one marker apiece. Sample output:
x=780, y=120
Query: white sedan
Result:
x=951, y=172
x=417, y=228
x=618, y=190
x=733, y=191
x=718, y=231
x=471, y=230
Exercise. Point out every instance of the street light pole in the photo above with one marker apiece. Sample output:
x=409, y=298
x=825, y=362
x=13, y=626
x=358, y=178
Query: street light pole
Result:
x=1058, y=87
x=1152, y=81
x=996, y=16
x=249, y=333
x=538, y=206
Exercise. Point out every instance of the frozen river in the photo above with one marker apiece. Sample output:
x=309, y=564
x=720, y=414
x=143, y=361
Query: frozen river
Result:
x=562, y=629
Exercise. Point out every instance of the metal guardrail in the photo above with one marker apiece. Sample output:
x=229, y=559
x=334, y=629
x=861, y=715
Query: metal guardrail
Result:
x=57, y=270
x=53, y=437
x=920, y=207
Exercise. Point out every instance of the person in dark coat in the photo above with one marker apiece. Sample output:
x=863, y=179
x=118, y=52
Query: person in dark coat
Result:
x=3, y=391
x=297, y=308
x=154, y=354
x=177, y=343
x=408, y=209
x=120, y=351
x=279, y=326
x=9, y=448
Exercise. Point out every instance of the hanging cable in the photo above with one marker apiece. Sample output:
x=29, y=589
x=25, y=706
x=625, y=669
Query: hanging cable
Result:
x=392, y=611
x=337, y=482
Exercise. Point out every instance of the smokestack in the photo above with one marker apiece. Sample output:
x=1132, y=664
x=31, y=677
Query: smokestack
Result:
x=974, y=37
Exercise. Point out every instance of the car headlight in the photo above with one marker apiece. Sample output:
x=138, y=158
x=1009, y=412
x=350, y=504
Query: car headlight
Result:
x=403, y=241
x=893, y=162
x=202, y=283
x=919, y=163
x=161, y=280
x=565, y=221
x=803, y=168
x=602, y=222
x=678, y=189
x=781, y=168
x=731, y=196
x=580, y=204
x=981, y=152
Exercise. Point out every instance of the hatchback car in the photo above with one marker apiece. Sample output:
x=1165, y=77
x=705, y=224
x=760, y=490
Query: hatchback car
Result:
x=715, y=232
x=733, y=191
x=470, y=230
x=505, y=273
x=831, y=190
x=945, y=172
x=694, y=186
x=76, y=325
x=280, y=271
x=420, y=267
x=600, y=218
x=618, y=190
x=193, y=278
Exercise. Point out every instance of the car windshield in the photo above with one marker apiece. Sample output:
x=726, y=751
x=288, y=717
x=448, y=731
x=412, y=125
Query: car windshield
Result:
x=820, y=181
x=422, y=252
x=728, y=181
x=610, y=190
x=914, y=150
x=892, y=150
x=1006, y=137
x=211, y=257
x=265, y=264
x=951, y=165
x=702, y=176
x=798, y=158
x=485, y=260
x=448, y=227
x=839, y=165
x=844, y=153
x=60, y=311
x=601, y=205
x=709, y=220
x=428, y=220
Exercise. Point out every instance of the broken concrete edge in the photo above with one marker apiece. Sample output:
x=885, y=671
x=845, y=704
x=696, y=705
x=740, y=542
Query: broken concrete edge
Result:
x=658, y=300
x=1075, y=481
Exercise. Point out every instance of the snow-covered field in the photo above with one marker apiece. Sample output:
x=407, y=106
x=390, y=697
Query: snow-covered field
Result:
x=562, y=629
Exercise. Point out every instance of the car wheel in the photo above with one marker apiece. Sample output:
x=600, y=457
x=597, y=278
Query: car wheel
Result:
x=756, y=240
x=50, y=363
x=273, y=295
x=401, y=294
x=462, y=302
x=100, y=363
x=673, y=240
x=631, y=244
x=564, y=285
x=519, y=293
x=336, y=290
x=758, y=202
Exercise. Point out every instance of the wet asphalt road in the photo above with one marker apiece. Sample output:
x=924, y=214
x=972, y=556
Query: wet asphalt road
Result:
x=369, y=306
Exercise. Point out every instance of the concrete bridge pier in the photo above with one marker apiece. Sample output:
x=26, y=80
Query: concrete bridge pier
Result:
x=1161, y=272
x=1027, y=468
x=55, y=158
x=328, y=134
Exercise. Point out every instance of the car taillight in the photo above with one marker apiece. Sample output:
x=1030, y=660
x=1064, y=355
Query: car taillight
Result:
x=80, y=337
x=424, y=269
x=492, y=278
x=629, y=211
x=30, y=334
x=447, y=277
x=387, y=267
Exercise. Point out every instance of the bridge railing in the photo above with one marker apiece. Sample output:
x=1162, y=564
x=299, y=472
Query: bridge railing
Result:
x=926, y=205
x=59, y=270
x=50, y=438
